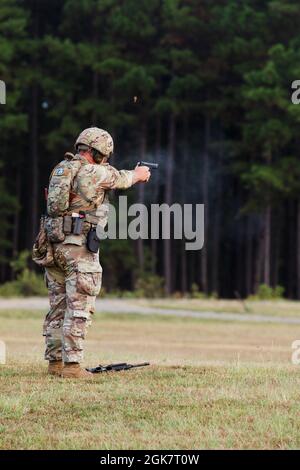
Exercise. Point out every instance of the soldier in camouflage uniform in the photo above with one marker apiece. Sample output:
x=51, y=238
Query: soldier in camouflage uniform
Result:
x=79, y=183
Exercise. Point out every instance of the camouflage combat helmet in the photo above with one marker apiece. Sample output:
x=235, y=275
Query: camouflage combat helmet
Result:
x=97, y=139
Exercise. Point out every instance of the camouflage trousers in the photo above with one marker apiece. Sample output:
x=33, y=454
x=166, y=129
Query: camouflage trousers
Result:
x=73, y=283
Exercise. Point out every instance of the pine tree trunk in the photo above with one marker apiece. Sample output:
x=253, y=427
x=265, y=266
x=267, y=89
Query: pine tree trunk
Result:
x=239, y=247
x=249, y=257
x=168, y=200
x=205, y=172
x=217, y=223
x=276, y=253
x=95, y=95
x=267, y=235
x=240, y=259
x=298, y=249
x=216, y=248
x=16, y=226
x=259, y=260
x=183, y=271
x=34, y=164
x=2, y=267
x=141, y=192
x=34, y=110
x=290, y=256
x=267, y=246
x=95, y=82
x=155, y=185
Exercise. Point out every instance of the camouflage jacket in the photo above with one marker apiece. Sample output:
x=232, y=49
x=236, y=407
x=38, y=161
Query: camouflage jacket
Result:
x=75, y=184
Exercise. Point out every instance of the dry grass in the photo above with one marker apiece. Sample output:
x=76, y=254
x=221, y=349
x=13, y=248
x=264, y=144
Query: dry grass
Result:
x=211, y=385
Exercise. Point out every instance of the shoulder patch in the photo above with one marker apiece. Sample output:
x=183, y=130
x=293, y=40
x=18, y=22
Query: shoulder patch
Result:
x=59, y=171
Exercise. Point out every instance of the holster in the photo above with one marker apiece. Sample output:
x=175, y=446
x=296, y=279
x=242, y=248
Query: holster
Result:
x=93, y=241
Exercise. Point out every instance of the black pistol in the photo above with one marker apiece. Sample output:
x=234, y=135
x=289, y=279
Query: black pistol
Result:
x=150, y=165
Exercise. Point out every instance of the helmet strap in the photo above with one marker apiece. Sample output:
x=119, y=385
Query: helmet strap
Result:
x=97, y=156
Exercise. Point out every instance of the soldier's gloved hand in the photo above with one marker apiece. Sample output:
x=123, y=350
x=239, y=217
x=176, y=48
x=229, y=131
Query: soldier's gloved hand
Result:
x=141, y=174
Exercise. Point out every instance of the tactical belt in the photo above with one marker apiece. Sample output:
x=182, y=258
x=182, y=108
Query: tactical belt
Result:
x=78, y=225
x=58, y=228
x=92, y=219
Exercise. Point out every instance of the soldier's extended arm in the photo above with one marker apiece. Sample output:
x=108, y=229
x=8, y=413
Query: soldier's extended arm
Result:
x=111, y=178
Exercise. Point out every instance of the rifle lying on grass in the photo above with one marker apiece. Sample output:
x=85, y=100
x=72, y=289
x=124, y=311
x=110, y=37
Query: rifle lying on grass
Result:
x=116, y=367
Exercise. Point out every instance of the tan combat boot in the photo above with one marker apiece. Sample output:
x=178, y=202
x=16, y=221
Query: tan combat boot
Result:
x=72, y=370
x=55, y=368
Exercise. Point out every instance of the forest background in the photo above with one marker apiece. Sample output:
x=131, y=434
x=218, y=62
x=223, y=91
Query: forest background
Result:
x=203, y=88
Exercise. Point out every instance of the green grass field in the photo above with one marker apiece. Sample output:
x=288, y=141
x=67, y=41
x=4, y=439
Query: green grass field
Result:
x=211, y=385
